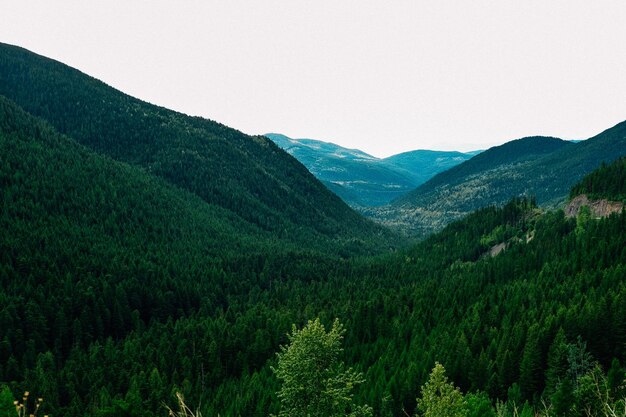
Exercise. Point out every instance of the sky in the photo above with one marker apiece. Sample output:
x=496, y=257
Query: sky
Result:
x=381, y=76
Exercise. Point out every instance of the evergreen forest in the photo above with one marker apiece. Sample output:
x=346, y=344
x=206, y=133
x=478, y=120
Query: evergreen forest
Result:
x=149, y=258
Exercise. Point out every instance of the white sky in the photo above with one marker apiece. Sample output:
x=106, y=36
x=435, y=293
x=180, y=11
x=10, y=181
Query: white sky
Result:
x=381, y=76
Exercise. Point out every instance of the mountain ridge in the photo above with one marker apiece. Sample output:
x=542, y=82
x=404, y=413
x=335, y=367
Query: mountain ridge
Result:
x=125, y=281
x=363, y=180
x=249, y=176
x=546, y=168
x=515, y=151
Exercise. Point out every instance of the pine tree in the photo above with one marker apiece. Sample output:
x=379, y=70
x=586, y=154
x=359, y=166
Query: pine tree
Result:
x=563, y=398
x=557, y=362
x=616, y=379
x=530, y=367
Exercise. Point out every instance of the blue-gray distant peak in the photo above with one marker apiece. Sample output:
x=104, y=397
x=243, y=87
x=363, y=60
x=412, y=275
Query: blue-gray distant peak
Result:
x=362, y=180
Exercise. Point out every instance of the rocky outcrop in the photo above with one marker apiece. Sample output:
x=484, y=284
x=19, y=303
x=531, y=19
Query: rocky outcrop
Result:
x=497, y=249
x=598, y=208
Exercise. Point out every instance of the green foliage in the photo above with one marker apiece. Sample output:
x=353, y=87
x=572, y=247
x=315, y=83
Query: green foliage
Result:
x=255, y=185
x=314, y=382
x=7, y=407
x=479, y=405
x=183, y=409
x=591, y=393
x=579, y=360
x=531, y=376
x=439, y=398
x=557, y=364
x=121, y=284
x=616, y=380
x=497, y=235
x=118, y=408
x=514, y=395
x=608, y=181
x=563, y=398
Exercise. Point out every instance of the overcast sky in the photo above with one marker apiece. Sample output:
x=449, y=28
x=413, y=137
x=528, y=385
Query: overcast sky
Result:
x=381, y=76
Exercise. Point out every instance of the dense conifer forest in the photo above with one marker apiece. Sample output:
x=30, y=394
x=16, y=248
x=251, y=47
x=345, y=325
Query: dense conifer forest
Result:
x=125, y=282
x=250, y=178
x=608, y=181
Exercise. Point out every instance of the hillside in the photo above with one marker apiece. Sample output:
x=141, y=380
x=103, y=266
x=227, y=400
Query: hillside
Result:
x=360, y=179
x=602, y=192
x=122, y=281
x=545, y=168
x=608, y=181
x=115, y=325
x=511, y=153
x=93, y=250
x=248, y=176
x=363, y=180
x=422, y=165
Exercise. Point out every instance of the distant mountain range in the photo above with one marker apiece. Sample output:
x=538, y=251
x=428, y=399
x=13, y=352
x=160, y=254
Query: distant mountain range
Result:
x=543, y=167
x=363, y=180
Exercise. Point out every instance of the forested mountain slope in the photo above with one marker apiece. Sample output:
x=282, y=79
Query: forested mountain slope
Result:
x=544, y=168
x=600, y=193
x=93, y=250
x=608, y=181
x=363, y=180
x=108, y=305
x=513, y=152
x=422, y=165
x=249, y=176
x=120, y=287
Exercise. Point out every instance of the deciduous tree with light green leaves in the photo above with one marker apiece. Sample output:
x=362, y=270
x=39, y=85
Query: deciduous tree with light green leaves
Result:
x=315, y=383
x=440, y=398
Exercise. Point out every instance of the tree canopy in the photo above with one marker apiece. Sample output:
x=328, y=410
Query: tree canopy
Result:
x=314, y=382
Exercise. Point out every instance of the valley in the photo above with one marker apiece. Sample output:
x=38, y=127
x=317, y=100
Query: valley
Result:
x=146, y=254
x=362, y=180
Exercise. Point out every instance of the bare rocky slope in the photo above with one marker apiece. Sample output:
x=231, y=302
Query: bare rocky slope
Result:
x=597, y=208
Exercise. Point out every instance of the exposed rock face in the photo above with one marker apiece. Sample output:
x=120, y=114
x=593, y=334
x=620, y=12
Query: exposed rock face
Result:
x=495, y=250
x=598, y=208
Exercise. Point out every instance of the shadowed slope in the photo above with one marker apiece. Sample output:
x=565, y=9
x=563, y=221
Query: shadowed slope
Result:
x=249, y=176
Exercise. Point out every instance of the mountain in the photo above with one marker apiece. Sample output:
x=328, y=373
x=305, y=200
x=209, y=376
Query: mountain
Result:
x=247, y=176
x=363, y=180
x=421, y=165
x=545, y=168
x=606, y=182
x=358, y=178
x=309, y=151
x=603, y=191
x=93, y=250
x=510, y=153
x=121, y=284
x=119, y=288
